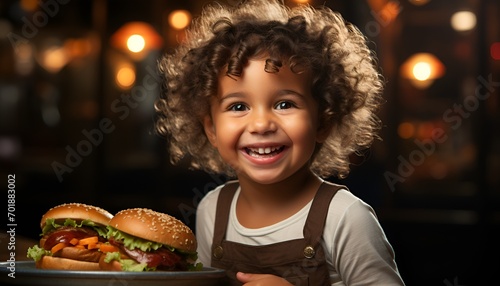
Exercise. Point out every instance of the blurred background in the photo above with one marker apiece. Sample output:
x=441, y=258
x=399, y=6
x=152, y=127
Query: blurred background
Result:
x=78, y=81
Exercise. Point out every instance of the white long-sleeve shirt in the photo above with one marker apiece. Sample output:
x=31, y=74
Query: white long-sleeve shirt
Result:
x=356, y=248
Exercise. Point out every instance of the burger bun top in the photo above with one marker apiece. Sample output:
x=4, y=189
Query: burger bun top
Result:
x=78, y=212
x=155, y=226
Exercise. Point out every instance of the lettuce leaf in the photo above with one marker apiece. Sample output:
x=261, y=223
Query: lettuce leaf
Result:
x=36, y=253
x=50, y=225
x=127, y=264
x=132, y=242
x=196, y=267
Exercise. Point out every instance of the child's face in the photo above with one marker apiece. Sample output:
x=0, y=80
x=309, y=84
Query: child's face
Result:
x=265, y=125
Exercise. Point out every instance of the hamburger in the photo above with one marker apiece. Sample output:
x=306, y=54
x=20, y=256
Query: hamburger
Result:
x=147, y=241
x=71, y=238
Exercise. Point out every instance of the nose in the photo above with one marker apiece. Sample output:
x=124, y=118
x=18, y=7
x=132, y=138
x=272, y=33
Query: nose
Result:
x=262, y=122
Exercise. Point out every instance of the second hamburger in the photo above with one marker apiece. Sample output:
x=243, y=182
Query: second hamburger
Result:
x=148, y=241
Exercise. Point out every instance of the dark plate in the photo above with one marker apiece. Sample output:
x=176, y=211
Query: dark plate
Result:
x=27, y=274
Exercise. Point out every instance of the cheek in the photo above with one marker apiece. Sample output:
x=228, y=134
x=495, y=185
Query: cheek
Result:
x=303, y=132
x=227, y=132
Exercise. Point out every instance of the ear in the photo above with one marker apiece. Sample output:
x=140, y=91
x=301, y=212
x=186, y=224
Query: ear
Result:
x=208, y=125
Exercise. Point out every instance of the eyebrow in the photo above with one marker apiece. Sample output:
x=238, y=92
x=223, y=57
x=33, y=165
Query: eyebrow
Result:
x=241, y=94
x=225, y=97
x=289, y=91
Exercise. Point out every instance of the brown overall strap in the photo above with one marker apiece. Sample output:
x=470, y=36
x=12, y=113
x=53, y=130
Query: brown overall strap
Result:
x=315, y=223
x=222, y=212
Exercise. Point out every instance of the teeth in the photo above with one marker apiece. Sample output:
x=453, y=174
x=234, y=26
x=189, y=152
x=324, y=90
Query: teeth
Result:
x=263, y=151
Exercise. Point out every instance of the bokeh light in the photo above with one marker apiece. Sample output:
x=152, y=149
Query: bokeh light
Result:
x=495, y=51
x=137, y=39
x=136, y=43
x=463, y=21
x=125, y=77
x=406, y=130
x=422, y=71
x=419, y=2
x=179, y=19
x=53, y=58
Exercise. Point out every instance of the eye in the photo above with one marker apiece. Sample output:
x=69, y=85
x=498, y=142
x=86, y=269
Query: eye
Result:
x=284, y=105
x=238, y=107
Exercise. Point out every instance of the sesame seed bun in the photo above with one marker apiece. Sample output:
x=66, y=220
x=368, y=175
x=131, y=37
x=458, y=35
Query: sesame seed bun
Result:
x=77, y=211
x=155, y=226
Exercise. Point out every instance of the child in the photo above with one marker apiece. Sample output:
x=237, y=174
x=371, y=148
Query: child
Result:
x=278, y=97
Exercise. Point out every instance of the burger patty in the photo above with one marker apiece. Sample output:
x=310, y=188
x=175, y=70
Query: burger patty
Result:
x=66, y=234
x=161, y=259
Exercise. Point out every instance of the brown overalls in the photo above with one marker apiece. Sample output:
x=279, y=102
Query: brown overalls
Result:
x=300, y=261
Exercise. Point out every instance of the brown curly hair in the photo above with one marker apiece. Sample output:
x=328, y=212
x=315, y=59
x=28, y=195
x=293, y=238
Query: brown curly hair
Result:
x=346, y=83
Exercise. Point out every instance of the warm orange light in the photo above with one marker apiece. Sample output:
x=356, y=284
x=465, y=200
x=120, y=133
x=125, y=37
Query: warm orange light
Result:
x=406, y=130
x=136, y=43
x=125, y=77
x=422, y=69
x=29, y=5
x=179, y=19
x=53, y=58
x=77, y=48
x=419, y=2
x=425, y=129
x=136, y=37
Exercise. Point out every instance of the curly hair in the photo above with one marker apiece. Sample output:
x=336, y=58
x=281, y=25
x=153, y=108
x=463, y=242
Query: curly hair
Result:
x=346, y=83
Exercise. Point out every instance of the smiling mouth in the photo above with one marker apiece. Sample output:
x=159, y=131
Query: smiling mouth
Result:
x=264, y=151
